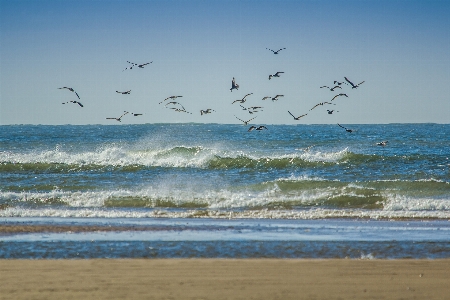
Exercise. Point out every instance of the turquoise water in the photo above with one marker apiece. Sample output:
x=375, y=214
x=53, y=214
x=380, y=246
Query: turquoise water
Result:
x=210, y=170
x=223, y=172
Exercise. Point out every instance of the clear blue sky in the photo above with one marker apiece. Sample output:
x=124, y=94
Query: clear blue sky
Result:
x=401, y=49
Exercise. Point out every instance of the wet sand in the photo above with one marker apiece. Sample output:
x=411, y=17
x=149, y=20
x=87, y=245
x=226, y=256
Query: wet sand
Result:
x=224, y=279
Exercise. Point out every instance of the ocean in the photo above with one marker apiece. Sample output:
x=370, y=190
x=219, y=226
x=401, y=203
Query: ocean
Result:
x=289, y=191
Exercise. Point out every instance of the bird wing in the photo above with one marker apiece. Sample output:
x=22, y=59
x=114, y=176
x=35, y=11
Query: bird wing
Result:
x=79, y=103
x=316, y=106
x=291, y=114
x=351, y=83
x=250, y=120
x=278, y=73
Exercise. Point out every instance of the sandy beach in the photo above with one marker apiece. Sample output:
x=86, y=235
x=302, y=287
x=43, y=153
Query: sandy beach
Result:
x=224, y=279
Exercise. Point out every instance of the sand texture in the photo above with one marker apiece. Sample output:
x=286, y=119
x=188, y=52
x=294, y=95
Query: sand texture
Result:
x=224, y=279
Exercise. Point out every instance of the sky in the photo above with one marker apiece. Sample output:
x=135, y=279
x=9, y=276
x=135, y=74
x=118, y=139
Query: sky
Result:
x=400, y=49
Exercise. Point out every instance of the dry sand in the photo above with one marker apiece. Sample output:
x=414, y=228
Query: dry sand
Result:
x=224, y=279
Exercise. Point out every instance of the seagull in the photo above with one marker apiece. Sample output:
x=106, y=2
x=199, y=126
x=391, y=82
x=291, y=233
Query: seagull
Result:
x=383, y=143
x=261, y=127
x=242, y=100
x=331, y=111
x=351, y=83
x=245, y=122
x=338, y=83
x=70, y=89
x=119, y=118
x=206, y=111
x=171, y=97
x=275, y=52
x=136, y=65
x=297, y=118
x=135, y=115
x=74, y=102
x=234, y=85
x=277, y=74
x=276, y=97
x=331, y=89
x=346, y=129
x=253, y=109
x=124, y=93
x=182, y=109
x=267, y=97
x=338, y=95
x=321, y=103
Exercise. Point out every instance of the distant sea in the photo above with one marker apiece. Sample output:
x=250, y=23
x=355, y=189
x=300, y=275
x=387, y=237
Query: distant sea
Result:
x=264, y=193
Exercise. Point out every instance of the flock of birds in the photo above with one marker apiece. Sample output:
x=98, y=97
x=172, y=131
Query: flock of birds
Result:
x=172, y=102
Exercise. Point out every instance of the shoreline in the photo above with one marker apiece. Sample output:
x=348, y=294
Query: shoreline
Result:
x=225, y=279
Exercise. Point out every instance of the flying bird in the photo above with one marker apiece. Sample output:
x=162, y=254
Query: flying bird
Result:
x=234, y=85
x=346, y=129
x=182, y=109
x=297, y=118
x=70, y=89
x=243, y=99
x=331, y=111
x=275, y=52
x=383, y=143
x=124, y=93
x=321, y=103
x=135, y=115
x=351, y=83
x=171, y=97
x=331, y=89
x=266, y=97
x=206, y=111
x=136, y=65
x=119, y=118
x=76, y=102
x=339, y=95
x=338, y=83
x=277, y=74
x=261, y=127
x=245, y=122
x=276, y=97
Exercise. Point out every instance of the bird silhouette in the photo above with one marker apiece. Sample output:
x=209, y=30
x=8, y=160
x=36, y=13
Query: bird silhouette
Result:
x=277, y=74
x=136, y=65
x=276, y=97
x=234, y=85
x=339, y=95
x=243, y=99
x=321, y=103
x=261, y=127
x=275, y=52
x=171, y=97
x=331, y=111
x=124, y=93
x=119, y=119
x=331, y=89
x=70, y=89
x=351, y=83
x=206, y=111
x=346, y=129
x=76, y=102
x=297, y=118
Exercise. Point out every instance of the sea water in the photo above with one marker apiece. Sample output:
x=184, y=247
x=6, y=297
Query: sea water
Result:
x=293, y=174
